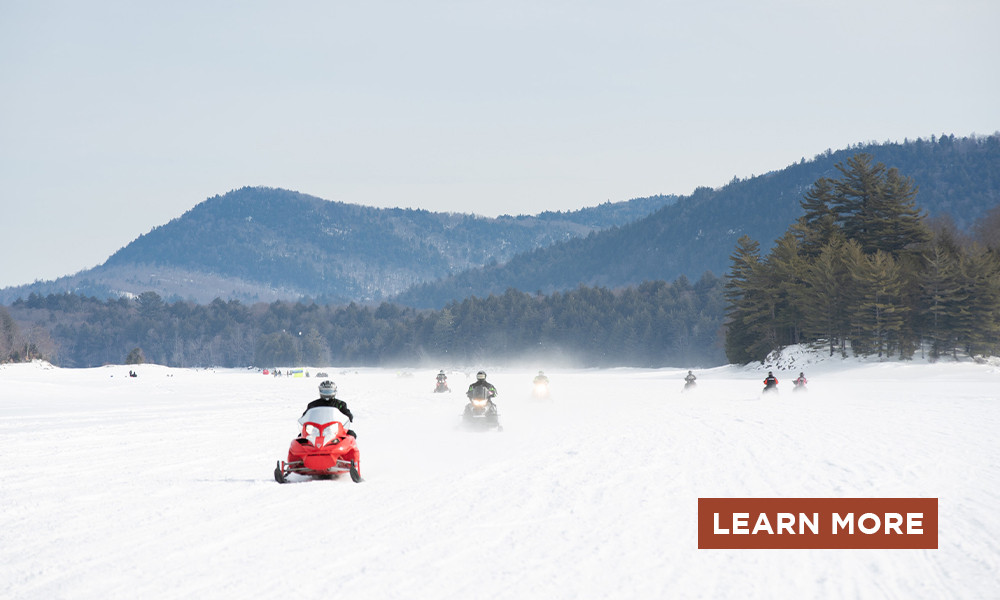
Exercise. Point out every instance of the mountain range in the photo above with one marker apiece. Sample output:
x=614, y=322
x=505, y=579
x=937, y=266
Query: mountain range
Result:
x=260, y=244
x=264, y=244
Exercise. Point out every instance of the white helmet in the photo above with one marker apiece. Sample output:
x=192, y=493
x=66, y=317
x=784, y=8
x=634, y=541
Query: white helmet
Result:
x=481, y=376
x=327, y=389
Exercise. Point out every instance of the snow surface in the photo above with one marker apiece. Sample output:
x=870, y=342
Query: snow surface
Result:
x=161, y=486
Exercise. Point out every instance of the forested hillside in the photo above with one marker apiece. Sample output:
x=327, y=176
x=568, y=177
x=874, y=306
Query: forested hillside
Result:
x=958, y=177
x=264, y=244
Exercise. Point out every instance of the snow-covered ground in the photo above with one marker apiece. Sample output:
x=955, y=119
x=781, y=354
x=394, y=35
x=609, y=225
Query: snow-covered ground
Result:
x=161, y=486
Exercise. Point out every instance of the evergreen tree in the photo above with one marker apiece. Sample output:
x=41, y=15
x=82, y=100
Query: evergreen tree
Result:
x=856, y=197
x=314, y=349
x=878, y=314
x=278, y=349
x=744, y=316
x=943, y=300
x=900, y=225
x=9, y=335
x=987, y=229
x=981, y=282
x=875, y=206
x=786, y=269
x=135, y=357
x=825, y=299
x=818, y=224
x=443, y=335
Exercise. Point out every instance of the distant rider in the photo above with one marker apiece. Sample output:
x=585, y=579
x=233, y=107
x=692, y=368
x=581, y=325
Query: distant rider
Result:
x=689, y=379
x=441, y=377
x=327, y=397
x=770, y=381
x=801, y=381
x=541, y=378
x=491, y=392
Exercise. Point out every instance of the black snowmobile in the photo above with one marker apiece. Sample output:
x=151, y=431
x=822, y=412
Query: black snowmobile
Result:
x=481, y=413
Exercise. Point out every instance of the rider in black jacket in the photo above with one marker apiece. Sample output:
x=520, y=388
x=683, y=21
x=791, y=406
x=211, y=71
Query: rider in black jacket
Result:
x=327, y=397
x=770, y=381
x=491, y=392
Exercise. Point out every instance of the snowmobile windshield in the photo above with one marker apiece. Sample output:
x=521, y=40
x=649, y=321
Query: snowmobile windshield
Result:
x=320, y=425
x=480, y=392
x=322, y=415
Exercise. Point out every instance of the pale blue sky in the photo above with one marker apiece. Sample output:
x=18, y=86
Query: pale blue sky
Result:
x=117, y=116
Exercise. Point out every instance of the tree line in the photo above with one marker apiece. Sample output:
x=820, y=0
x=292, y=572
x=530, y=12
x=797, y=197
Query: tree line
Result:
x=17, y=345
x=652, y=324
x=863, y=269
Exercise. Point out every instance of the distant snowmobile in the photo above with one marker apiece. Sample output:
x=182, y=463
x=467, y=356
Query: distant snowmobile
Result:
x=323, y=450
x=441, y=384
x=481, y=413
x=770, y=384
x=689, y=382
x=540, y=387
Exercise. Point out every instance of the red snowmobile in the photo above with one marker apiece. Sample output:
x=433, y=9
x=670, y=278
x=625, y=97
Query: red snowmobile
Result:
x=323, y=450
